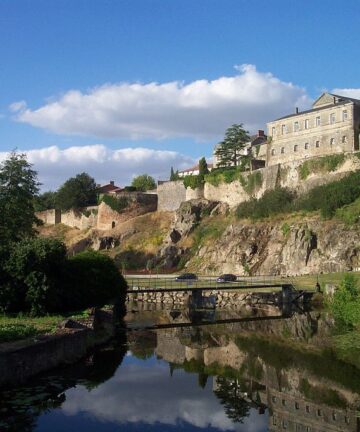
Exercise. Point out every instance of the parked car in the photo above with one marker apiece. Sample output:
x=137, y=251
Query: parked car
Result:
x=226, y=278
x=186, y=277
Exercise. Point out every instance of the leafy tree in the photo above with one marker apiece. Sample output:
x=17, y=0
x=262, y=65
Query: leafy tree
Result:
x=77, y=192
x=45, y=201
x=18, y=187
x=230, y=148
x=203, y=167
x=174, y=175
x=143, y=182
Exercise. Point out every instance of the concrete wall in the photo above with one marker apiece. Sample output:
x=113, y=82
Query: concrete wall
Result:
x=171, y=195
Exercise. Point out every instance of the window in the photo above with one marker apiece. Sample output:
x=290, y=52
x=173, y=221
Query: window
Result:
x=297, y=406
x=274, y=421
x=306, y=124
x=283, y=402
x=308, y=429
x=306, y=146
x=307, y=408
x=295, y=148
x=273, y=131
x=296, y=126
x=282, y=151
x=332, y=141
x=273, y=399
x=273, y=152
x=318, y=121
x=283, y=129
x=347, y=420
x=285, y=424
x=332, y=118
x=344, y=139
x=317, y=144
x=319, y=412
x=334, y=416
x=344, y=115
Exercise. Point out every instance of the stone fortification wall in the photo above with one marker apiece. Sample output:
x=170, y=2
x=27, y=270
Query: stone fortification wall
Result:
x=171, y=195
x=49, y=217
x=81, y=219
x=149, y=199
x=197, y=193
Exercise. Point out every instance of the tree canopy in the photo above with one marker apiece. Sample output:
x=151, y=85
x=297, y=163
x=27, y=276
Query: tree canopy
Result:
x=174, y=175
x=143, y=182
x=230, y=150
x=203, y=167
x=77, y=192
x=18, y=187
x=45, y=201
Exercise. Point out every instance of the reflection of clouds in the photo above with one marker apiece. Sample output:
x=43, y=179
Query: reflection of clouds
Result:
x=149, y=395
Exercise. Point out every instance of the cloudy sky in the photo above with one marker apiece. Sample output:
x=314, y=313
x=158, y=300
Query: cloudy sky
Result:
x=122, y=87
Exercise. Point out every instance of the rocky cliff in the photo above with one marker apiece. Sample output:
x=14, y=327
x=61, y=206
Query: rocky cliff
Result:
x=294, y=246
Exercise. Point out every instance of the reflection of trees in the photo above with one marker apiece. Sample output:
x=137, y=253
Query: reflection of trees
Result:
x=143, y=344
x=228, y=392
x=20, y=407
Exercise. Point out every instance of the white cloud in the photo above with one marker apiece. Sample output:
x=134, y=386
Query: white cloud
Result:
x=201, y=109
x=55, y=165
x=350, y=92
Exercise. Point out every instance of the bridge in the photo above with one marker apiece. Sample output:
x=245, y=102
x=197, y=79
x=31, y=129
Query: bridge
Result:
x=266, y=285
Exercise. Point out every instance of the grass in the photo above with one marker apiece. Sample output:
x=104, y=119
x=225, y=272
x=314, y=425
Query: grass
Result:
x=322, y=164
x=16, y=327
x=309, y=281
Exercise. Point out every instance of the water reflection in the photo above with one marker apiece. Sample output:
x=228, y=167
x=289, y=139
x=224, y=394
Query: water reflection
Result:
x=248, y=375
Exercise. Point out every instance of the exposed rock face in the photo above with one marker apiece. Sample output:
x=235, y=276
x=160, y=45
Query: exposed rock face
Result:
x=266, y=248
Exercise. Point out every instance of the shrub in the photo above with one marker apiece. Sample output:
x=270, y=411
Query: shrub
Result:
x=323, y=164
x=93, y=280
x=116, y=204
x=345, y=305
x=193, y=181
x=350, y=214
x=272, y=202
x=253, y=181
x=36, y=269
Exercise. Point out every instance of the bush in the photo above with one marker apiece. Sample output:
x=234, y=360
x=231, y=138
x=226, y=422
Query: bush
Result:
x=116, y=204
x=93, y=280
x=272, y=202
x=345, y=305
x=193, y=181
x=35, y=267
x=323, y=164
x=350, y=214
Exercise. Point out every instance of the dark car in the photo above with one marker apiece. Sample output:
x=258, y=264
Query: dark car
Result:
x=186, y=277
x=226, y=278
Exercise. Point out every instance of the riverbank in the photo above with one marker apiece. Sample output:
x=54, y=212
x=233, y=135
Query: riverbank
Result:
x=68, y=342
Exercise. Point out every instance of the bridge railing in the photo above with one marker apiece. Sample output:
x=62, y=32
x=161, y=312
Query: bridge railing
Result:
x=169, y=282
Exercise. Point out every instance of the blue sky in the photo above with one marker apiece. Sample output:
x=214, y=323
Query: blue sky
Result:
x=117, y=88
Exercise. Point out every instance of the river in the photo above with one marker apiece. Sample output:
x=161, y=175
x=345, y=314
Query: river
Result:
x=252, y=370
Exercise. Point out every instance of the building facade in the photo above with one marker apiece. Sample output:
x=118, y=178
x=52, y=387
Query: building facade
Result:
x=331, y=126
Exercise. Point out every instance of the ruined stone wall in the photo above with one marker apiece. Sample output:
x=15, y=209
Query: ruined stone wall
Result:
x=49, y=217
x=171, y=195
x=81, y=219
x=197, y=193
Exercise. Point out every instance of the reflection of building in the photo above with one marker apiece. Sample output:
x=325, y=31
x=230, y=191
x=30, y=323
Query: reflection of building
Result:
x=297, y=399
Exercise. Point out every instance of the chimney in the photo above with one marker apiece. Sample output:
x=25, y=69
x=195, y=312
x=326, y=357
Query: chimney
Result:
x=297, y=110
x=334, y=100
x=260, y=133
x=112, y=182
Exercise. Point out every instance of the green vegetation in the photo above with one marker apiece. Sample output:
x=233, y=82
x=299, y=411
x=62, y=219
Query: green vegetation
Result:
x=349, y=214
x=174, y=175
x=229, y=150
x=143, y=183
x=322, y=394
x=285, y=229
x=116, y=204
x=193, y=181
x=322, y=164
x=271, y=203
x=41, y=279
x=77, y=192
x=327, y=198
x=12, y=332
x=45, y=201
x=252, y=182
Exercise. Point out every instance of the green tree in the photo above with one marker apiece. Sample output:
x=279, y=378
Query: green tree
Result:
x=174, y=175
x=45, y=201
x=143, y=182
x=203, y=167
x=18, y=187
x=229, y=393
x=77, y=192
x=229, y=150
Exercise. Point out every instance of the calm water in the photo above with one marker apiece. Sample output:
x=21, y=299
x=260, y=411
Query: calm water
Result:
x=250, y=373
